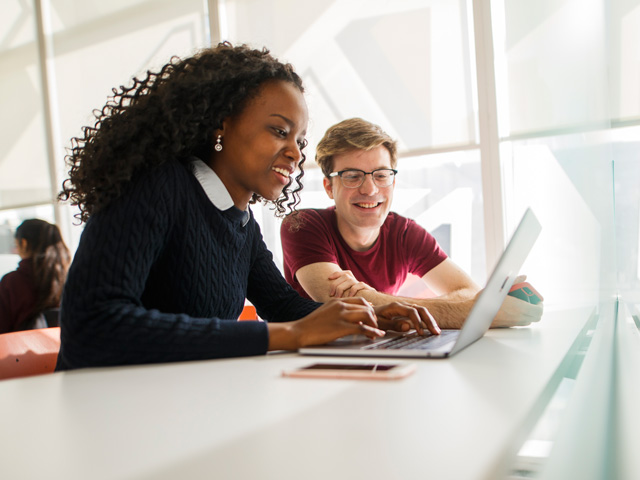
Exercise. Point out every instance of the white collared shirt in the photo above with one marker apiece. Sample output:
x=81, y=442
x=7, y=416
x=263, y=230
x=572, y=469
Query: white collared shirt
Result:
x=214, y=188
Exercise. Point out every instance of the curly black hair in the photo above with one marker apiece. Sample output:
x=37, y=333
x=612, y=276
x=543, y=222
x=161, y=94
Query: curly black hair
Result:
x=170, y=114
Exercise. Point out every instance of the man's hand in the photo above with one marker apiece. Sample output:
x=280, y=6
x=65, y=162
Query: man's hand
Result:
x=517, y=313
x=343, y=284
x=402, y=316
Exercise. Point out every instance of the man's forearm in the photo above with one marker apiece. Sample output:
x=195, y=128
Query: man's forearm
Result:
x=449, y=310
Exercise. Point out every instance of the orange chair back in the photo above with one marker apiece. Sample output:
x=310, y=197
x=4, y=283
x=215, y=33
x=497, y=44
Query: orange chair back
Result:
x=248, y=313
x=29, y=352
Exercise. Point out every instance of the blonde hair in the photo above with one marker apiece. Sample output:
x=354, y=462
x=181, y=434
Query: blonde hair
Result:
x=352, y=135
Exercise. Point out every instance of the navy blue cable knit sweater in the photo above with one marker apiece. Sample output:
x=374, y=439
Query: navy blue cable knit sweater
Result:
x=161, y=275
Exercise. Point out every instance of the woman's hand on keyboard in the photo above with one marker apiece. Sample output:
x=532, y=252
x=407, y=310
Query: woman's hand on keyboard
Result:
x=334, y=319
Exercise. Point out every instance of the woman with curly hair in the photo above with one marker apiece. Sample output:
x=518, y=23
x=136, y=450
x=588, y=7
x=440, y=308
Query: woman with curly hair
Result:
x=170, y=248
x=36, y=285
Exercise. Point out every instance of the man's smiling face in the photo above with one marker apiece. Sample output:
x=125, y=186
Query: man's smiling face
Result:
x=367, y=206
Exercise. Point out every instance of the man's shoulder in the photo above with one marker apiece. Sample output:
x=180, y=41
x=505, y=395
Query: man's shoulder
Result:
x=395, y=221
x=308, y=218
x=324, y=213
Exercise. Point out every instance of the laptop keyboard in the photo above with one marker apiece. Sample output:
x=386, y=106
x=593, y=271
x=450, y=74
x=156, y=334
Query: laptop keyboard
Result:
x=414, y=341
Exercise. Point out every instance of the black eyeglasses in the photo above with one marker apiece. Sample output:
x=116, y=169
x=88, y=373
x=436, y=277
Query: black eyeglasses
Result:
x=353, y=178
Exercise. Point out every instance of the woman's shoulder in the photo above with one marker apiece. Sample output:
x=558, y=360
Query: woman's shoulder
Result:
x=162, y=188
x=23, y=275
x=169, y=173
x=167, y=182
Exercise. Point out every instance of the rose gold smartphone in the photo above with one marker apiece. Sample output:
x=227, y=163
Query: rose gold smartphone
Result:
x=361, y=371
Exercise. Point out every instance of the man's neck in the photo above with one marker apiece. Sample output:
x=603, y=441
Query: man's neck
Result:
x=358, y=239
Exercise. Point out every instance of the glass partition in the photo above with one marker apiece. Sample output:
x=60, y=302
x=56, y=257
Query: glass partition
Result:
x=569, y=119
x=556, y=141
x=626, y=155
x=568, y=181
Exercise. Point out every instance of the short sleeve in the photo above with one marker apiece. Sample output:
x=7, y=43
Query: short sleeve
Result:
x=423, y=251
x=310, y=241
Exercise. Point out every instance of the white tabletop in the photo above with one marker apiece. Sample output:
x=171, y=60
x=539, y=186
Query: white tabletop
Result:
x=241, y=419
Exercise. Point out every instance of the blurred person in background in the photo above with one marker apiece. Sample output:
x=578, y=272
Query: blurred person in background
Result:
x=36, y=285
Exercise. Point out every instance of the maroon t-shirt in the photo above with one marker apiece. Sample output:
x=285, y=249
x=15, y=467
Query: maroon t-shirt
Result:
x=403, y=247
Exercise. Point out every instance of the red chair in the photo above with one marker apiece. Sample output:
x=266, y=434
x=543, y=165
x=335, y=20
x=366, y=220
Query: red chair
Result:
x=29, y=352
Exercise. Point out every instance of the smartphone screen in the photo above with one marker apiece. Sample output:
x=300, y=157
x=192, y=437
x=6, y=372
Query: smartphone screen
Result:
x=376, y=371
x=370, y=367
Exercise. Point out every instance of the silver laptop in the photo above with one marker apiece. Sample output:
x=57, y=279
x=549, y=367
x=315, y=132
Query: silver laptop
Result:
x=448, y=342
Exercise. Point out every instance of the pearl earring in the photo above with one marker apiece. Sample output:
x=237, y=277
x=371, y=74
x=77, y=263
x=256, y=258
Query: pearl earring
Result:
x=218, y=145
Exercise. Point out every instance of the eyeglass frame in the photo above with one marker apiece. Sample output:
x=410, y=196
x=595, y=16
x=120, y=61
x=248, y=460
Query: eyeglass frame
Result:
x=339, y=174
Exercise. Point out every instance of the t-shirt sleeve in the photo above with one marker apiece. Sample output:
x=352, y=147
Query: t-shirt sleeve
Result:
x=423, y=251
x=311, y=242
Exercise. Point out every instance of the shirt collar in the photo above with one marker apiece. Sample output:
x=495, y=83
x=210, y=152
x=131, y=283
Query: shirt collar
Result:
x=214, y=188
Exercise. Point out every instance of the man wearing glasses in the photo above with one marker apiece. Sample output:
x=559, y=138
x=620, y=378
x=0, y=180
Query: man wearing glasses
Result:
x=360, y=248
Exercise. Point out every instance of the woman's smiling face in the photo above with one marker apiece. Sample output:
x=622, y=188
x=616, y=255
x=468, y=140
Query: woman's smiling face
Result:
x=262, y=144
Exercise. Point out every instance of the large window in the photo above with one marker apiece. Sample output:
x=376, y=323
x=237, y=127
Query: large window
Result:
x=59, y=61
x=24, y=166
x=566, y=94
